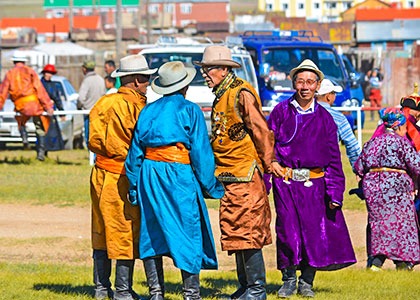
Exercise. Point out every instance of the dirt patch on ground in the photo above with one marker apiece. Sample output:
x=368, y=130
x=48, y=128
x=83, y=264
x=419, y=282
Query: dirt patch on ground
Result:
x=53, y=234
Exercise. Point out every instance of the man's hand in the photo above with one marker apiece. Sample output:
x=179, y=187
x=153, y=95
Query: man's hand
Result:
x=334, y=205
x=50, y=112
x=276, y=169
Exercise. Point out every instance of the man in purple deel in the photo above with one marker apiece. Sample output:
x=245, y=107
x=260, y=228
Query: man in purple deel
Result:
x=308, y=192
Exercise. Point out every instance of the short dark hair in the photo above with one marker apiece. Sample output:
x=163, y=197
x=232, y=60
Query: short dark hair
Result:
x=110, y=63
x=111, y=79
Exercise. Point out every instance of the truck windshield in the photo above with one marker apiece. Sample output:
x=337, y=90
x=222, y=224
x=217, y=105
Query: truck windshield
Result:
x=277, y=63
x=155, y=60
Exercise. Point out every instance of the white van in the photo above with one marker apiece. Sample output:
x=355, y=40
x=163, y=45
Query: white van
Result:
x=189, y=50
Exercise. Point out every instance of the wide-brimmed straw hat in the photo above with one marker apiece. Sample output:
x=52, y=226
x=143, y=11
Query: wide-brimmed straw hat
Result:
x=133, y=64
x=173, y=76
x=217, y=56
x=327, y=87
x=307, y=65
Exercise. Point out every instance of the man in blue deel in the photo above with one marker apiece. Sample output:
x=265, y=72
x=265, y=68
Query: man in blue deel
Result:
x=170, y=165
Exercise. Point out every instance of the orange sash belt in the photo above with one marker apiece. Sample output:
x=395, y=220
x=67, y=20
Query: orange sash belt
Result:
x=20, y=102
x=174, y=153
x=109, y=164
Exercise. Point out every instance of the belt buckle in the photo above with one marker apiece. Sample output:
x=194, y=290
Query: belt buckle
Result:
x=300, y=175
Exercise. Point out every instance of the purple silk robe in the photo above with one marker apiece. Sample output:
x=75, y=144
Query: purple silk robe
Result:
x=308, y=231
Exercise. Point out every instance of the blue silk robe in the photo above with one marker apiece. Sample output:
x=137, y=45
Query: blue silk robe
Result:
x=174, y=217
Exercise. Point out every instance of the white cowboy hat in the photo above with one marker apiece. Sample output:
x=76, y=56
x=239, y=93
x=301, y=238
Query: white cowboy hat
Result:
x=327, y=87
x=173, y=76
x=308, y=65
x=19, y=58
x=133, y=64
x=217, y=56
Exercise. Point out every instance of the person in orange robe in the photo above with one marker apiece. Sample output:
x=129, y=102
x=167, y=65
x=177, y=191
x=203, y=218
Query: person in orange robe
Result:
x=115, y=221
x=30, y=99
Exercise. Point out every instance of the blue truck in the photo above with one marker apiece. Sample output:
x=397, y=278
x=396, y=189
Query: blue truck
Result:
x=275, y=53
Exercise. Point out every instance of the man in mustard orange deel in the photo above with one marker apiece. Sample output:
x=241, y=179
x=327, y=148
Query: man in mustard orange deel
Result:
x=115, y=221
x=30, y=100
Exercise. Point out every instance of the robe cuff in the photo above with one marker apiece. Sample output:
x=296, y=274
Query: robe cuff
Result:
x=339, y=203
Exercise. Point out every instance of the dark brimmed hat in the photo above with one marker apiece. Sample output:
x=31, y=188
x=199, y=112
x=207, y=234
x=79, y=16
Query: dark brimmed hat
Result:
x=412, y=101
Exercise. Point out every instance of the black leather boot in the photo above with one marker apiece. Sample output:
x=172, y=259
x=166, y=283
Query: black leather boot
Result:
x=255, y=275
x=124, y=280
x=24, y=135
x=240, y=271
x=101, y=274
x=306, y=280
x=191, y=285
x=289, y=283
x=40, y=150
x=154, y=274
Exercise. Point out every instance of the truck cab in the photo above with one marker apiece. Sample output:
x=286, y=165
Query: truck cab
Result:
x=275, y=53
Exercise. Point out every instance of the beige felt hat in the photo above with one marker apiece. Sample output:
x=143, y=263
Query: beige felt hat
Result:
x=217, y=56
x=133, y=64
x=307, y=65
x=173, y=76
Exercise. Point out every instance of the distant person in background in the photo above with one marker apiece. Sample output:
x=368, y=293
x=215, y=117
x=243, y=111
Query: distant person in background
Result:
x=53, y=138
x=51, y=87
x=110, y=85
x=326, y=97
x=30, y=99
x=109, y=68
x=91, y=89
x=375, y=96
x=387, y=165
x=115, y=222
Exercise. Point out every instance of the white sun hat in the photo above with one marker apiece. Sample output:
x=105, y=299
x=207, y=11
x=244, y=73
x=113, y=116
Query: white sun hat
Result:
x=327, y=87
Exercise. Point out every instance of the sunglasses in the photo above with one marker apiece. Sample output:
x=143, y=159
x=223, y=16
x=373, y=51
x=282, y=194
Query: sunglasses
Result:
x=208, y=69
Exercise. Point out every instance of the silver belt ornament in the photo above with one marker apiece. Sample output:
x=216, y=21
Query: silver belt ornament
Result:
x=299, y=175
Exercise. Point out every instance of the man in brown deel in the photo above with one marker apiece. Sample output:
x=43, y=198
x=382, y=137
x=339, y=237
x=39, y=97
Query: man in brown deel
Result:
x=243, y=149
x=115, y=222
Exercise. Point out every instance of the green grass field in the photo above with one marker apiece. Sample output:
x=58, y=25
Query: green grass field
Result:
x=41, y=281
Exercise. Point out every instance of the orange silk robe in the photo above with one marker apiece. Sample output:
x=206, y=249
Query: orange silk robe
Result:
x=20, y=82
x=115, y=221
x=27, y=93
